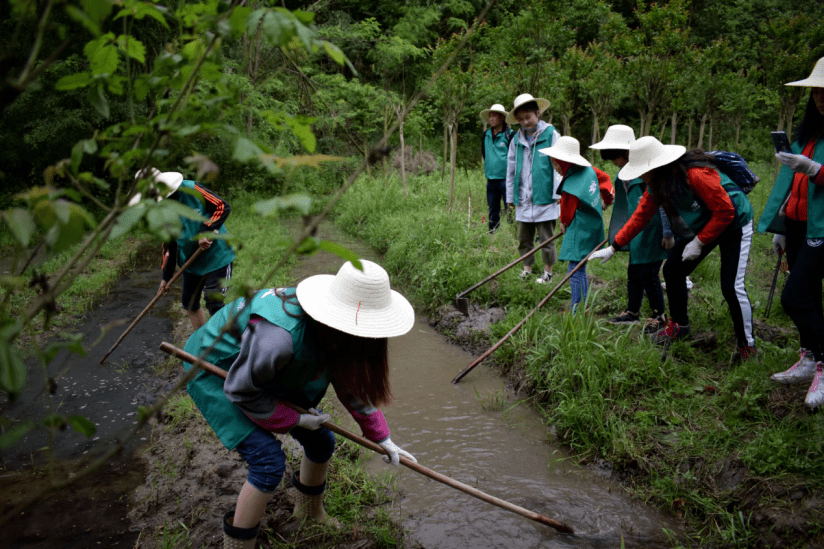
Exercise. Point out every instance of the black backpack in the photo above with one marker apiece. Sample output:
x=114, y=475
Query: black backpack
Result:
x=735, y=167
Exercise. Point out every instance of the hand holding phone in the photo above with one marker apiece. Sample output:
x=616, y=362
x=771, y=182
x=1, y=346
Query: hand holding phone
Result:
x=781, y=143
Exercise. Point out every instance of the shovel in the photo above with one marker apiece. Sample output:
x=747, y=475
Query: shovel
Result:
x=527, y=317
x=462, y=304
x=212, y=369
x=152, y=303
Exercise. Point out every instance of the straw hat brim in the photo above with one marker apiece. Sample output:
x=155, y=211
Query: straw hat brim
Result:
x=558, y=154
x=671, y=153
x=485, y=114
x=816, y=81
x=543, y=104
x=609, y=144
x=318, y=301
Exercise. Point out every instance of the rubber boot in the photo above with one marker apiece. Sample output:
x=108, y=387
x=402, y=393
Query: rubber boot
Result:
x=310, y=484
x=238, y=538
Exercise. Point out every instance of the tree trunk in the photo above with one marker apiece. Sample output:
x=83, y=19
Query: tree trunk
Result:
x=403, y=159
x=701, y=131
x=709, y=146
x=663, y=127
x=689, y=132
x=445, y=149
x=738, y=120
x=453, y=129
x=674, y=125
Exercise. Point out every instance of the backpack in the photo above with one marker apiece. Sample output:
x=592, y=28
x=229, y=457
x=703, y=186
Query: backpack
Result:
x=735, y=167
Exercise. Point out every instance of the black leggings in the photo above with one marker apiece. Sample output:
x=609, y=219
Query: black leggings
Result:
x=801, y=297
x=643, y=277
x=734, y=246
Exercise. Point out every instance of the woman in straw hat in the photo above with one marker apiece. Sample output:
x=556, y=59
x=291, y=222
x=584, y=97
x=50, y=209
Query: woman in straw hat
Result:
x=289, y=345
x=581, y=220
x=711, y=211
x=494, y=149
x=648, y=250
x=531, y=183
x=795, y=213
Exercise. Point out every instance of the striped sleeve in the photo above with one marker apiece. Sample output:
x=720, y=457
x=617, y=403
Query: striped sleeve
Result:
x=215, y=208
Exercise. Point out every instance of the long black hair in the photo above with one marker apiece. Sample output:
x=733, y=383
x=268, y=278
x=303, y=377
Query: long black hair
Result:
x=812, y=125
x=670, y=180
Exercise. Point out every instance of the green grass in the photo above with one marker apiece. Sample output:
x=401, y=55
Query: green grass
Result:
x=603, y=387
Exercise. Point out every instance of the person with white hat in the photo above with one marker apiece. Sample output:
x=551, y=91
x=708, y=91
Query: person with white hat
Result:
x=494, y=148
x=206, y=275
x=648, y=250
x=581, y=220
x=531, y=183
x=795, y=214
x=287, y=345
x=715, y=212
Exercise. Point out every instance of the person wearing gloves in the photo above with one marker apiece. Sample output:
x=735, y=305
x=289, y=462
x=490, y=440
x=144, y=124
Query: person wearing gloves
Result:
x=581, y=220
x=531, y=183
x=288, y=346
x=494, y=150
x=648, y=250
x=795, y=213
x=699, y=198
x=206, y=275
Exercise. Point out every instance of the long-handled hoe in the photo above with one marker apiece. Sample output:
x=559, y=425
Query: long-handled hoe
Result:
x=211, y=368
x=152, y=303
x=462, y=304
x=527, y=317
x=772, y=287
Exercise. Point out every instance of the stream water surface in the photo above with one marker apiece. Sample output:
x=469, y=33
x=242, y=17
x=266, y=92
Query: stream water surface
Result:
x=477, y=433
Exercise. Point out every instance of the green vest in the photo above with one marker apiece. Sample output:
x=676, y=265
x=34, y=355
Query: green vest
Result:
x=543, y=176
x=771, y=222
x=218, y=255
x=587, y=228
x=495, y=150
x=646, y=246
x=696, y=214
x=300, y=381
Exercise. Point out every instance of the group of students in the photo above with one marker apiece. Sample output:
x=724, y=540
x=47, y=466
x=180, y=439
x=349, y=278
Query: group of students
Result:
x=680, y=207
x=288, y=345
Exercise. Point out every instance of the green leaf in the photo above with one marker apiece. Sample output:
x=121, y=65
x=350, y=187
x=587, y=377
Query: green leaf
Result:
x=53, y=420
x=139, y=10
x=272, y=206
x=127, y=220
x=82, y=425
x=73, y=81
x=238, y=19
x=84, y=19
x=10, y=437
x=97, y=10
x=309, y=246
x=245, y=150
x=97, y=98
x=342, y=252
x=133, y=47
x=181, y=210
x=12, y=369
x=334, y=52
x=21, y=224
x=104, y=60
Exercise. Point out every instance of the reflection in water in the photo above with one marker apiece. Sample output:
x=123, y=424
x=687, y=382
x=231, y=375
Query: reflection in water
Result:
x=501, y=451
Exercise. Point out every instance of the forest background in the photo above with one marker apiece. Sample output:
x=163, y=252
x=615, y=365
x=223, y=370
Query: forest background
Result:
x=289, y=103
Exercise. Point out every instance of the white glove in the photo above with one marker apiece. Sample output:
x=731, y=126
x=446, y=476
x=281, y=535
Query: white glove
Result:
x=604, y=255
x=779, y=243
x=799, y=163
x=312, y=420
x=692, y=250
x=394, y=451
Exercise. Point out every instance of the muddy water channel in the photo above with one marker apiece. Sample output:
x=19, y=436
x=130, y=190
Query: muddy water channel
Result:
x=477, y=433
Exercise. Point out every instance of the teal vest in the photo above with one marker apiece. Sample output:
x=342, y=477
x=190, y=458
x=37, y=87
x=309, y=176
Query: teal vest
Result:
x=218, y=255
x=543, y=176
x=495, y=150
x=771, y=222
x=587, y=228
x=301, y=381
x=646, y=246
x=696, y=214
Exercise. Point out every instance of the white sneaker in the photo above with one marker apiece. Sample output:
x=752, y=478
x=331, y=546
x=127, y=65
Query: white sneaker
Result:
x=815, y=394
x=689, y=284
x=544, y=278
x=800, y=372
x=524, y=274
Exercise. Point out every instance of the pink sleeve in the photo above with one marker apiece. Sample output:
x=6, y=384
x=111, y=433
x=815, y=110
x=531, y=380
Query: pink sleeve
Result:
x=282, y=420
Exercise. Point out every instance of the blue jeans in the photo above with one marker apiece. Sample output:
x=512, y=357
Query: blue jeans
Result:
x=267, y=462
x=578, y=284
x=495, y=194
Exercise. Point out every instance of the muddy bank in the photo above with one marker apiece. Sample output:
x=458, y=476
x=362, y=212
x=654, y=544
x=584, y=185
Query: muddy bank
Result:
x=775, y=512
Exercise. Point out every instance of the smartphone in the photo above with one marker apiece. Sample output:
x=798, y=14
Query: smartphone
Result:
x=782, y=144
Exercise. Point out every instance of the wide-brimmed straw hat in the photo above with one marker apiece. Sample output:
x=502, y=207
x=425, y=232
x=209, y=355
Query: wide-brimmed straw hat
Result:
x=169, y=181
x=816, y=78
x=497, y=107
x=356, y=302
x=617, y=137
x=567, y=149
x=543, y=104
x=646, y=154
